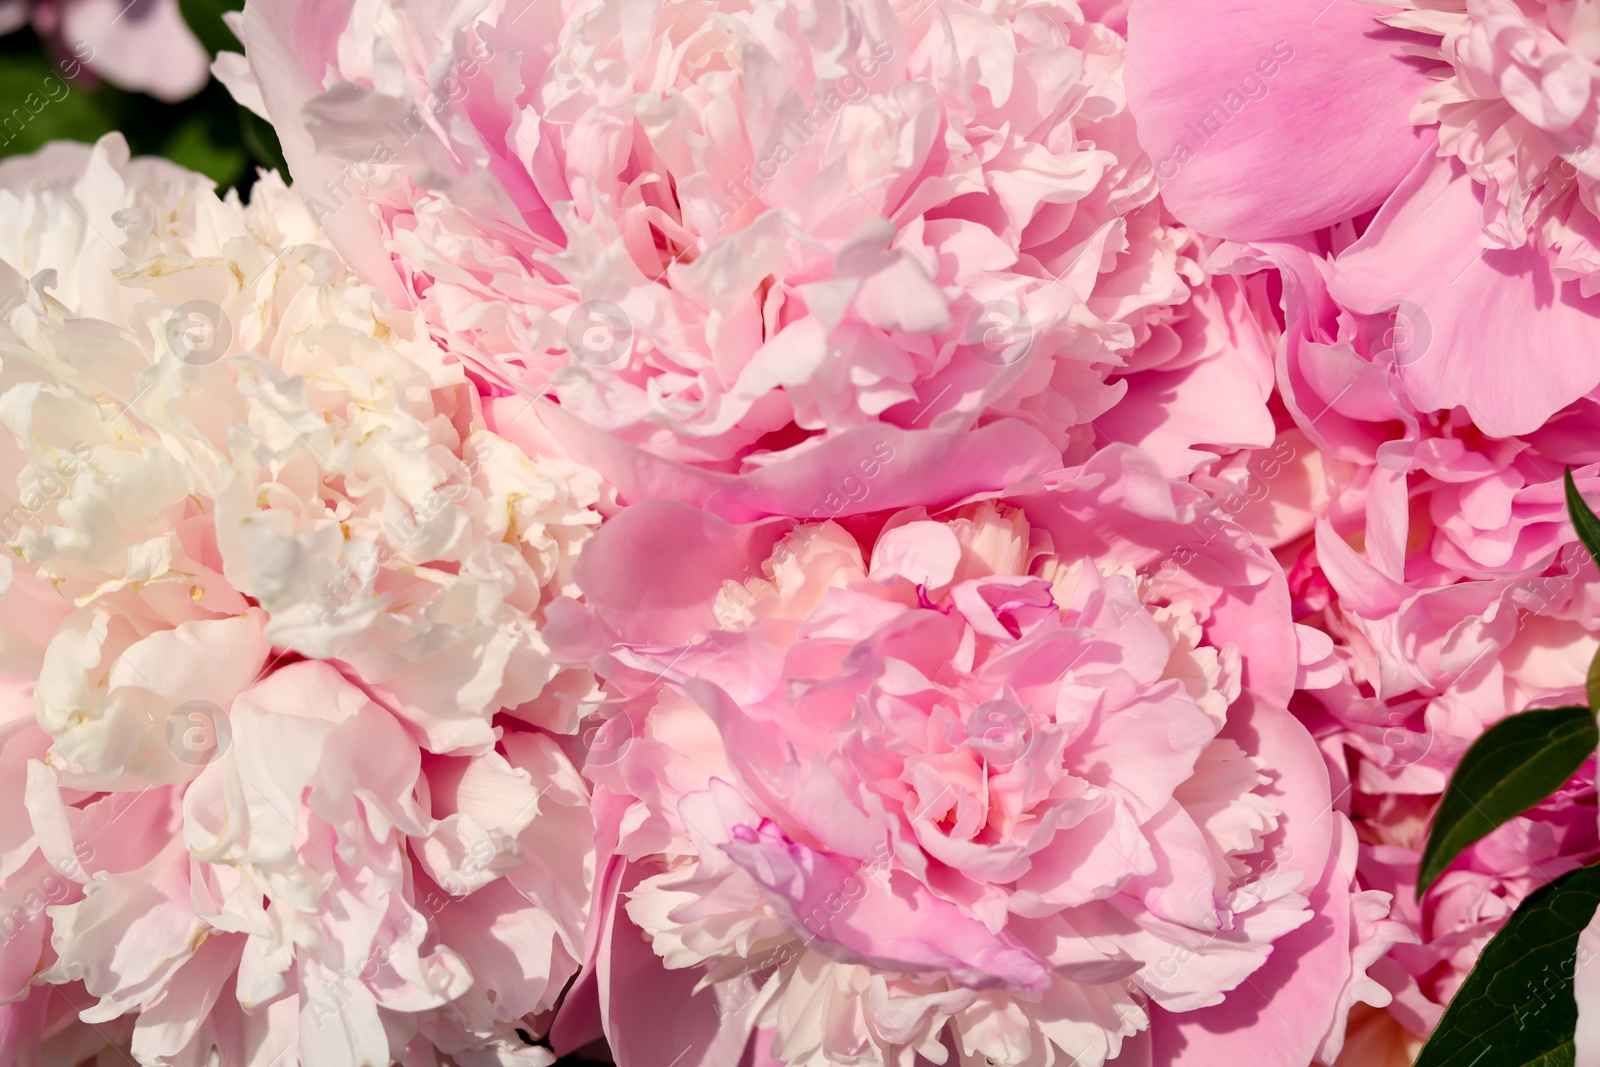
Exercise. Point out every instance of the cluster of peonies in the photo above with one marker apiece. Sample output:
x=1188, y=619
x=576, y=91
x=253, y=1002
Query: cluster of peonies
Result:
x=795, y=533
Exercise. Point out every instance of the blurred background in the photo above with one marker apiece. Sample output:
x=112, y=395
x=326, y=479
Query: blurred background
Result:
x=77, y=69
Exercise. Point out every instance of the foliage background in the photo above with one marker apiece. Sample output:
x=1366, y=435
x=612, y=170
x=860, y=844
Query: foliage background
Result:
x=207, y=132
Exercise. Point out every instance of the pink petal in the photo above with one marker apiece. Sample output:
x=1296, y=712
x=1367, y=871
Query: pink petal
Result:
x=1268, y=117
x=1502, y=337
x=653, y=1016
x=905, y=929
x=144, y=45
x=286, y=40
x=654, y=569
x=873, y=468
x=1282, y=1011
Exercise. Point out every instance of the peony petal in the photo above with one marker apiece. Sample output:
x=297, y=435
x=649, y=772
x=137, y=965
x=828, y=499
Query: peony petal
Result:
x=143, y=45
x=873, y=468
x=1504, y=338
x=1282, y=1011
x=1267, y=118
x=655, y=1017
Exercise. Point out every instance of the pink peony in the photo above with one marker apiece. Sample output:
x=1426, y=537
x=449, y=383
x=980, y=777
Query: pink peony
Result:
x=140, y=45
x=1437, y=565
x=724, y=236
x=1012, y=782
x=282, y=770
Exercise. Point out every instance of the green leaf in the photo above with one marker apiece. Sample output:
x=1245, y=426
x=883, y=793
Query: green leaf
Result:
x=1584, y=519
x=1518, y=762
x=1516, y=1008
x=1592, y=685
x=1588, y=527
x=205, y=19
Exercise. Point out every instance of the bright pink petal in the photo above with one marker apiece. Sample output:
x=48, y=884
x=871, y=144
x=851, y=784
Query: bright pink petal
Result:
x=653, y=571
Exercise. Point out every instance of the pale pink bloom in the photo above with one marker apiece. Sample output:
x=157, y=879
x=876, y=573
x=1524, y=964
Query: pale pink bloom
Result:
x=217, y=411
x=322, y=886
x=141, y=45
x=278, y=751
x=727, y=234
x=1011, y=782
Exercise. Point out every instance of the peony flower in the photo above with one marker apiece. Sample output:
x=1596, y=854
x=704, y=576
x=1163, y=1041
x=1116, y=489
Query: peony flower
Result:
x=141, y=45
x=722, y=237
x=281, y=723
x=351, y=490
x=1012, y=782
x=1442, y=588
x=1273, y=121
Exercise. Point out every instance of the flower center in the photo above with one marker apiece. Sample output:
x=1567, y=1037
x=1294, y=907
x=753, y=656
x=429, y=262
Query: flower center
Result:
x=1519, y=105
